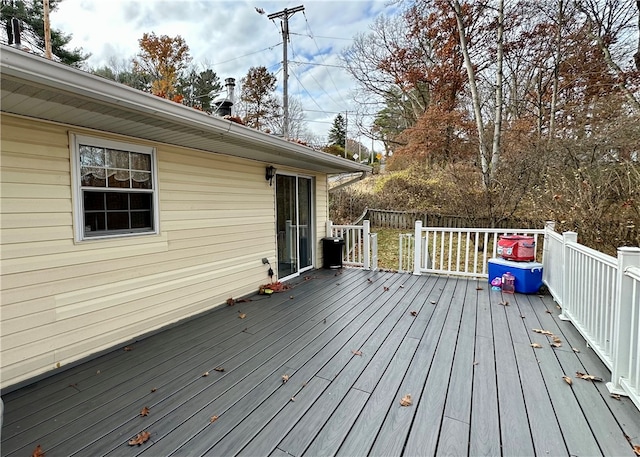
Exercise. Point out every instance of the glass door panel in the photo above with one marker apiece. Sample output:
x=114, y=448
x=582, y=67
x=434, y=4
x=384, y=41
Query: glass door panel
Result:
x=305, y=221
x=286, y=205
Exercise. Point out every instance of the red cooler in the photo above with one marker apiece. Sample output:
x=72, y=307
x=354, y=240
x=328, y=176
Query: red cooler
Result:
x=517, y=247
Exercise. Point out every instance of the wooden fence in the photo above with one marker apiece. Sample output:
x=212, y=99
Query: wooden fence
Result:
x=382, y=218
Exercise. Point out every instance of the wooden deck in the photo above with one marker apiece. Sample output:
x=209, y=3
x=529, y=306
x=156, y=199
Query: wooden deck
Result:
x=477, y=385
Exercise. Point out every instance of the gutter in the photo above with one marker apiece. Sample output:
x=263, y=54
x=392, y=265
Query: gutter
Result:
x=363, y=174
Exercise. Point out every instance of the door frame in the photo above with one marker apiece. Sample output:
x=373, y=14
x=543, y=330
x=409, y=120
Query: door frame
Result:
x=312, y=222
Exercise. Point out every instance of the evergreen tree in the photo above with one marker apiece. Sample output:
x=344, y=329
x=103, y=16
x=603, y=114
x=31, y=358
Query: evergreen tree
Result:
x=199, y=89
x=30, y=13
x=338, y=132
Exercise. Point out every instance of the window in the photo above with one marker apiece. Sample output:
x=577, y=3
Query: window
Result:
x=116, y=191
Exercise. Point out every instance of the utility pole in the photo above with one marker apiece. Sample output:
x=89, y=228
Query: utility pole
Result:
x=47, y=30
x=285, y=14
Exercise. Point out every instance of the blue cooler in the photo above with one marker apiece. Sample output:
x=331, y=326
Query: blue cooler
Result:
x=528, y=274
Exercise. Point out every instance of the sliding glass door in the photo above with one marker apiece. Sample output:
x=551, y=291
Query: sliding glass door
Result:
x=294, y=223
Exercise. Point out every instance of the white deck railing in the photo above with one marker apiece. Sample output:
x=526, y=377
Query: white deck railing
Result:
x=600, y=295
x=460, y=251
x=360, y=245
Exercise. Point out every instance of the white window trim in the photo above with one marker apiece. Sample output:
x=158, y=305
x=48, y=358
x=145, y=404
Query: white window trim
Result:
x=78, y=210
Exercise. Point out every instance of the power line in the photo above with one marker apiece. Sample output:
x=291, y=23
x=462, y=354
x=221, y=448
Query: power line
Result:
x=317, y=64
x=270, y=48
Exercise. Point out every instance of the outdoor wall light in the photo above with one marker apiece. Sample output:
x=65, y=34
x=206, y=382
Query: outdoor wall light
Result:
x=270, y=174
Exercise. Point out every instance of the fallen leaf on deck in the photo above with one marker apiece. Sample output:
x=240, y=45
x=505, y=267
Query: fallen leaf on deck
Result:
x=145, y=411
x=568, y=380
x=241, y=315
x=588, y=377
x=433, y=302
x=386, y=289
x=401, y=286
x=406, y=400
x=575, y=349
x=543, y=332
x=213, y=419
x=615, y=396
x=231, y=301
x=556, y=345
x=290, y=297
x=475, y=363
x=292, y=399
x=548, y=311
x=220, y=369
x=369, y=280
x=556, y=339
x=285, y=378
x=414, y=313
x=205, y=374
x=153, y=389
x=128, y=348
x=140, y=438
x=355, y=352
x=504, y=303
x=479, y=288
x=636, y=449
x=38, y=452
x=521, y=316
x=536, y=345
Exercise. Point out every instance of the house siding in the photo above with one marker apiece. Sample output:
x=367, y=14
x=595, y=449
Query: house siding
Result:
x=64, y=300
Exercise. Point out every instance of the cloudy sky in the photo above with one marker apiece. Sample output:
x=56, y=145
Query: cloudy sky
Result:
x=231, y=37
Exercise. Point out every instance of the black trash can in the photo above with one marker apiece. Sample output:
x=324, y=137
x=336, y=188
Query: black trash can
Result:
x=332, y=252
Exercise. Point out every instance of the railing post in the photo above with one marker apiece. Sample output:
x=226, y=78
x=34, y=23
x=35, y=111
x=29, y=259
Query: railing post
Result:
x=567, y=237
x=549, y=226
x=366, y=234
x=417, y=248
x=329, y=228
x=627, y=257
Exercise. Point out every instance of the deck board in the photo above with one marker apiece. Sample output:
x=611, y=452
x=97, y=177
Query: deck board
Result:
x=477, y=385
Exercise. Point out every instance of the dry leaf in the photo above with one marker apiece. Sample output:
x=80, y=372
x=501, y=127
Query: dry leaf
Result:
x=543, y=332
x=369, y=280
x=220, y=369
x=140, y=438
x=145, y=411
x=414, y=313
x=479, y=288
x=38, y=452
x=636, y=449
x=556, y=339
x=548, y=311
x=568, y=380
x=401, y=286
x=386, y=289
x=575, y=349
x=588, y=377
x=504, y=303
x=153, y=389
x=285, y=378
x=292, y=399
x=536, y=345
x=615, y=396
x=241, y=315
x=556, y=345
x=433, y=302
x=355, y=352
x=231, y=301
x=475, y=363
x=213, y=419
x=406, y=400
x=205, y=374
x=128, y=348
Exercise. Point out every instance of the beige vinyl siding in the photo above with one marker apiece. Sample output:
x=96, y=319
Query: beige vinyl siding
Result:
x=64, y=300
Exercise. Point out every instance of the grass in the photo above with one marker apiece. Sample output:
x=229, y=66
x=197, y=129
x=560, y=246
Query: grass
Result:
x=388, y=247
